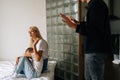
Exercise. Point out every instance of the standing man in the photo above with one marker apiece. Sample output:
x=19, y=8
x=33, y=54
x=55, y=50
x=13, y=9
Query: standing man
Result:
x=97, y=34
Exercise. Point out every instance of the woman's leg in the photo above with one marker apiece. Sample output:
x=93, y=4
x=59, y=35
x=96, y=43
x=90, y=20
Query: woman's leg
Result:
x=45, y=63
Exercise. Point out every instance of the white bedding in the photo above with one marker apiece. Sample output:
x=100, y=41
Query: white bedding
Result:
x=6, y=70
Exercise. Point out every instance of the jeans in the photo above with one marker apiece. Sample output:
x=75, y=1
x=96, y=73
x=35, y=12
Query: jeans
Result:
x=22, y=72
x=94, y=66
x=25, y=66
x=45, y=63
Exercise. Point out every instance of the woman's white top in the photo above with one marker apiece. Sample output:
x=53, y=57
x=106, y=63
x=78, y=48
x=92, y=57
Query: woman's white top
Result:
x=41, y=45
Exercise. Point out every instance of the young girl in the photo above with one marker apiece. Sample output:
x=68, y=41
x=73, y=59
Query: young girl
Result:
x=27, y=54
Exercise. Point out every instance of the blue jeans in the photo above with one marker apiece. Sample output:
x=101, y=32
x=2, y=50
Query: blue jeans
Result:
x=25, y=66
x=45, y=63
x=94, y=66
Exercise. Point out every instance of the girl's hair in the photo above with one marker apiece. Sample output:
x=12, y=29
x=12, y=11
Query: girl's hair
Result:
x=30, y=49
x=34, y=28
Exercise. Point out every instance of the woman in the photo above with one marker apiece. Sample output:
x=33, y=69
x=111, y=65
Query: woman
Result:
x=44, y=45
x=40, y=52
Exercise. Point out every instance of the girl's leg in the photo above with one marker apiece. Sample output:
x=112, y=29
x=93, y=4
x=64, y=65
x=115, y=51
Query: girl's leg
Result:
x=17, y=60
x=29, y=69
x=20, y=65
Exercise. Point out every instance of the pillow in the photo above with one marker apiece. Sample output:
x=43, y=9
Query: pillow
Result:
x=51, y=66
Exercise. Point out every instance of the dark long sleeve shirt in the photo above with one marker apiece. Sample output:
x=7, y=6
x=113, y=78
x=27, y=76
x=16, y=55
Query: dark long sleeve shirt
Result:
x=96, y=29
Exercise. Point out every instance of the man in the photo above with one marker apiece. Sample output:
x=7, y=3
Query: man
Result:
x=97, y=33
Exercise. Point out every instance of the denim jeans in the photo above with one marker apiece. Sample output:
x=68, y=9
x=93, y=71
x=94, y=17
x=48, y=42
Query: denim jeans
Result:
x=25, y=66
x=22, y=72
x=45, y=63
x=94, y=66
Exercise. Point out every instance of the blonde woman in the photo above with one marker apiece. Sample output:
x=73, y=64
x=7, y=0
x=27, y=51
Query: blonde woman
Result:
x=42, y=44
x=39, y=55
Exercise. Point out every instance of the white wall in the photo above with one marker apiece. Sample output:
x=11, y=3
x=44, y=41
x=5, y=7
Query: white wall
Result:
x=15, y=18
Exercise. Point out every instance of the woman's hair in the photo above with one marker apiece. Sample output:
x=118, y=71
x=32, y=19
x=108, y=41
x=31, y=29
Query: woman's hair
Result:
x=34, y=28
x=29, y=49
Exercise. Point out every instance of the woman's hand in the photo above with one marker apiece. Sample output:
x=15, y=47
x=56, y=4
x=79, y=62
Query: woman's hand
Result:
x=37, y=54
x=35, y=42
x=71, y=22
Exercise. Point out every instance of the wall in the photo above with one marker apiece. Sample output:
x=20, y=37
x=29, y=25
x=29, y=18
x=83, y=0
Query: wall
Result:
x=115, y=29
x=115, y=25
x=63, y=42
x=15, y=18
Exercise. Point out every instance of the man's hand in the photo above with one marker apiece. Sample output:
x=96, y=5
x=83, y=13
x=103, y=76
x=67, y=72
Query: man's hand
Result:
x=71, y=22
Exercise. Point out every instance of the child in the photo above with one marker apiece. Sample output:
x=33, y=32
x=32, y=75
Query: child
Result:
x=28, y=55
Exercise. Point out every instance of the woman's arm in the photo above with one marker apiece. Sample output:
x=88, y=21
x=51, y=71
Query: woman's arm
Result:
x=37, y=54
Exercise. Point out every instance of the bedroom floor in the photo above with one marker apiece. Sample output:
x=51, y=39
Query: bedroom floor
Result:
x=112, y=71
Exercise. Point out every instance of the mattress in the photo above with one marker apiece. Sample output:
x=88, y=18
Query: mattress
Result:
x=6, y=71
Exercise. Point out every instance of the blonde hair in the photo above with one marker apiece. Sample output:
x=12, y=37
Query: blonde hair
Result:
x=34, y=28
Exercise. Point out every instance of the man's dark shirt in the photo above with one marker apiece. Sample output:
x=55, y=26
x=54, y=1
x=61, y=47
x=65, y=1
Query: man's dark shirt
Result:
x=96, y=29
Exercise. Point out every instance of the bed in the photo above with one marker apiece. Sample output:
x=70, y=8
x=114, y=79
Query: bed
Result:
x=6, y=70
